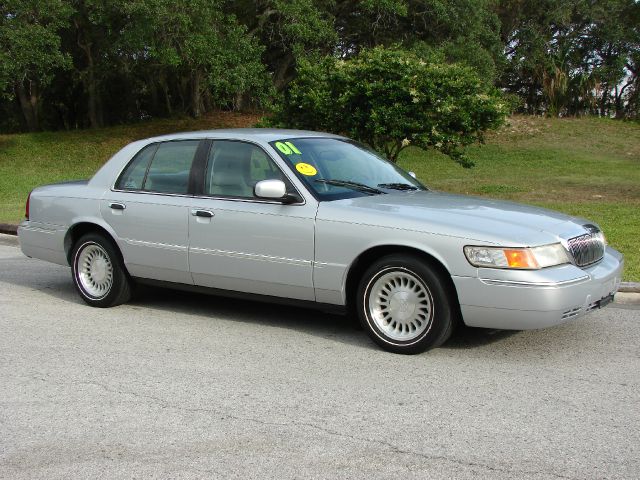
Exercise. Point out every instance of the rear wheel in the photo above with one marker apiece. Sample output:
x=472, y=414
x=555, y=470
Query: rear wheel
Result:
x=404, y=305
x=98, y=272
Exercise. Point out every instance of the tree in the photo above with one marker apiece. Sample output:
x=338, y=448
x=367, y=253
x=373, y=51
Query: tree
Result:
x=289, y=30
x=609, y=49
x=196, y=41
x=390, y=99
x=567, y=57
x=30, y=51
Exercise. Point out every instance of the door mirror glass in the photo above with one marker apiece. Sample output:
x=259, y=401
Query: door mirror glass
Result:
x=274, y=189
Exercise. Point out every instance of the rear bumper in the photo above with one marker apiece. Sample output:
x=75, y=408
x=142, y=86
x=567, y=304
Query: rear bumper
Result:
x=549, y=297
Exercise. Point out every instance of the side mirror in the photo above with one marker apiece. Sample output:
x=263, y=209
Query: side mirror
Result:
x=275, y=190
x=411, y=174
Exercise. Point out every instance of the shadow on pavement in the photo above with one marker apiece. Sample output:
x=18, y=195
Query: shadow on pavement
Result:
x=327, y=325
x=56, y=282
x=469, y=337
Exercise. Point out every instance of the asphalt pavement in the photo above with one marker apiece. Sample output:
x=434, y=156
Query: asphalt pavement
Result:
x=177, y=385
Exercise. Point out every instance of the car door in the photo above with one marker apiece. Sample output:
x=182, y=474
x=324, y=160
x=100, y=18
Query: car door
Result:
x=148, y=208
x=243, y=243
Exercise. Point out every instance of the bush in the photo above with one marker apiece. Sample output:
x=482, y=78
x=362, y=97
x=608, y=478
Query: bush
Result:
x=390, y=99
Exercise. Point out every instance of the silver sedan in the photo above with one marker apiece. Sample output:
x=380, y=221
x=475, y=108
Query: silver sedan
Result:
x=318, y=219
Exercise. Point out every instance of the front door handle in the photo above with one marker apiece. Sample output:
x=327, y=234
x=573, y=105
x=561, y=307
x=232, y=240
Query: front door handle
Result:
x=117, y=206
x=202, y=213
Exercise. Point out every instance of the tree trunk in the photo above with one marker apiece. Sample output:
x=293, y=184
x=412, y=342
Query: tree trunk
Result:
x=154, y=107
x=284, y=73
x=94, y=107
x=164, y=85
x=29, y=104
x=603, y=102
x=184, y=90
x=90, y=81
x=196, y=94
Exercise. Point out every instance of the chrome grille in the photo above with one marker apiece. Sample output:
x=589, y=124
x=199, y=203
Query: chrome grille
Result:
x=588, y=248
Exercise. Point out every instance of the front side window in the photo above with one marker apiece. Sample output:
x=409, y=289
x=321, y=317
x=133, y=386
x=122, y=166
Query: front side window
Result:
x=234, y=168
x=335, y=168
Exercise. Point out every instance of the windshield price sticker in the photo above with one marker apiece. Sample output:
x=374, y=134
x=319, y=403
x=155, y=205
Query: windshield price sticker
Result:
x=288, y=148
x=306, y=169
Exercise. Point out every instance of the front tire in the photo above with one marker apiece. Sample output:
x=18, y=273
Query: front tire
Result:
x=98, y=272
x=404, y=304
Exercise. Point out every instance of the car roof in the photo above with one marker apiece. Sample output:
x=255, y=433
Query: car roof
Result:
x=262, y=134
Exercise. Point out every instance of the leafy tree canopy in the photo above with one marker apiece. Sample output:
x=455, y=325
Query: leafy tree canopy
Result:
x=63, y=61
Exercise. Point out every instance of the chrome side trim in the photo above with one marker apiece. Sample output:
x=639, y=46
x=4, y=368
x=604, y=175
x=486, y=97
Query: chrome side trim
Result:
x=203, y=197
x=183, y=195
x=38, y=229
x=250, y=200
x=328, y=264
x=251, y=256
x=513, y=283
x=164, y=246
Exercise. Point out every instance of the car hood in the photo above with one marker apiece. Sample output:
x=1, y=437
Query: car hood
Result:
x=481, y=219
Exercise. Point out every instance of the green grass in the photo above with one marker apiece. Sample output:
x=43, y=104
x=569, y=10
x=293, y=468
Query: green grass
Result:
x=588, y=167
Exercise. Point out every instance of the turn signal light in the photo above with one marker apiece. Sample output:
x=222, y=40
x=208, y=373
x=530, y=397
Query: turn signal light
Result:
x=521, y=258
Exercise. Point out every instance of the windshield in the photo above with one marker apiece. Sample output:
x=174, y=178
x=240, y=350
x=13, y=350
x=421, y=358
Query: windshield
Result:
x=334, y=168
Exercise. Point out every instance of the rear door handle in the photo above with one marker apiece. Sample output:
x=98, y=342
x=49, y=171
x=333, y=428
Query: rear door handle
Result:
x=117, y=206
x=202, y=213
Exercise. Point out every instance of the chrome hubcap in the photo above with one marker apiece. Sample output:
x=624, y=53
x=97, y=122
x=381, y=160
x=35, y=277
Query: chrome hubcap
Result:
x=400, y=305
x=95, y=271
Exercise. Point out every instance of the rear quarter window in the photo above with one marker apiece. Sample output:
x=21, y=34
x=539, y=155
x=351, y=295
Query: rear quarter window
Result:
x=132, y=177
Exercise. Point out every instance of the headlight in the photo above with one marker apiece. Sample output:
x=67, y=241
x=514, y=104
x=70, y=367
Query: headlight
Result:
x=521, y=258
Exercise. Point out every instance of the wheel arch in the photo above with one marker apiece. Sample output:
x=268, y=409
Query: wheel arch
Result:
x=361, y=263
x=82, y=227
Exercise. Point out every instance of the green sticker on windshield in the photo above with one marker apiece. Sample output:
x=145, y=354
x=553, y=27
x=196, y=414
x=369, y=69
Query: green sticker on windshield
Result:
x=293, y=148
x=288, y=148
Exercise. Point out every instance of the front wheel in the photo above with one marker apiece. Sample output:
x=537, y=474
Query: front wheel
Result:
x=98, y=272
x=404, y=305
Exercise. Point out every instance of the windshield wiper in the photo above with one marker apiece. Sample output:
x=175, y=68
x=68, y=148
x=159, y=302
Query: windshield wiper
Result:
x=398, y=186
x=349, y=184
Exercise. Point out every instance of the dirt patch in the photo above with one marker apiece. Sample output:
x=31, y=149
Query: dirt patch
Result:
x=520, y=126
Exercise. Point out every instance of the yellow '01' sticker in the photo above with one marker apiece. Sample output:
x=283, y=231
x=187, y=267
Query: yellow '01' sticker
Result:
x=306, y=169
x=288, y=148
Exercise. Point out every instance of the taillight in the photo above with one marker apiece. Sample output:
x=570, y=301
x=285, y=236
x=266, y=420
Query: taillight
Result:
x=26, y=210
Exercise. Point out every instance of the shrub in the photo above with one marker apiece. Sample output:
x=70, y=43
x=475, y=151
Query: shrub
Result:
x=390, y=99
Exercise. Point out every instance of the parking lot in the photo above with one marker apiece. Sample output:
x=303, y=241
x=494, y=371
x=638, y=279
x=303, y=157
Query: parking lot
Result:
x=178, y=385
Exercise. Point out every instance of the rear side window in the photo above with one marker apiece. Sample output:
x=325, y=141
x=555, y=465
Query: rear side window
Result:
x=133, y=176
x=163, y=168
x=170, y=168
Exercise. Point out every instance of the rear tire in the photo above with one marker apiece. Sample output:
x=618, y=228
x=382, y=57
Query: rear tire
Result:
x=404, y=304
x=98, y=272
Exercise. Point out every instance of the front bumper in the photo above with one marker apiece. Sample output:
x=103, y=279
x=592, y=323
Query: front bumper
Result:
x=522, y=300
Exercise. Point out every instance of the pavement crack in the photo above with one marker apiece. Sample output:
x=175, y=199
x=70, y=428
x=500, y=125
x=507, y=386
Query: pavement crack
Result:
x=390, y=446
